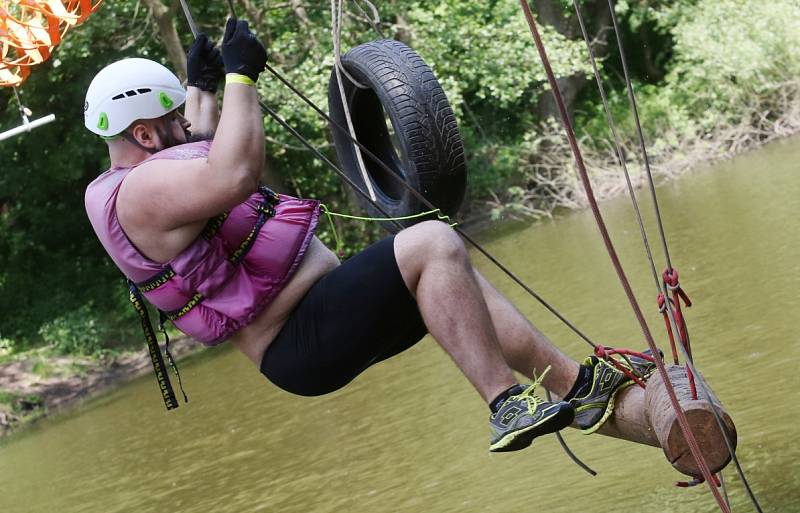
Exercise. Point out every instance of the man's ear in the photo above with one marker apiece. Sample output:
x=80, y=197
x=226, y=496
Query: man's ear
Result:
x=144, y=133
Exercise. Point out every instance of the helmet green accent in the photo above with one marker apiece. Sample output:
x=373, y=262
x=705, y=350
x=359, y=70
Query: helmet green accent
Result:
x=165, y=100
x=102, y=123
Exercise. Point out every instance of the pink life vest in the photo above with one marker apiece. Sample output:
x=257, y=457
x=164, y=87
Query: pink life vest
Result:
x=230, y=273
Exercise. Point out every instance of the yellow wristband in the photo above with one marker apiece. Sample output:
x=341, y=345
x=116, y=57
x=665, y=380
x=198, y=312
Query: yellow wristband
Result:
x=235, y=78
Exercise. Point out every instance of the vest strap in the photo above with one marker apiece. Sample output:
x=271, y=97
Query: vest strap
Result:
x=213, y=226
x=266, y=209
x=162, y=317
x=167, y=393
x=156, y=281
x=174, y=315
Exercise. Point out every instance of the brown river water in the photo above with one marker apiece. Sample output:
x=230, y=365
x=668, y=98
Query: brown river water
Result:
x=410, y=434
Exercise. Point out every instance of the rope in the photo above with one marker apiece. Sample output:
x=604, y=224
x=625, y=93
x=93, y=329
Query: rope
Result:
x=691, y=369
x=376, y=21
x=337, y=240
x=566, y=448
x=190, y=19
x=724, y=430
x=23, y=111
x=439, y=215
x=674, y=319
x=336, y=30
x=635, y=111
x=724, y=488
x=663, y=300
x=617, y=146
x=606, y=354
x=664, y=304
x=685, y=428
x=338, y=70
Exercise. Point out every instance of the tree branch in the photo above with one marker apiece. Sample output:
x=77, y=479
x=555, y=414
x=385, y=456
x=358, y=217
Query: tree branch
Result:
x=164, y=14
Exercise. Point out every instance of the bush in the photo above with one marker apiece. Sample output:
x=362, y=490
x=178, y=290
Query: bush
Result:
x=76, y=332
x=731, y=54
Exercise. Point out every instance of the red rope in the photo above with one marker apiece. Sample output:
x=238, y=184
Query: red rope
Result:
x=662, y=307
x=672, y=284
x=573, y=142
x=606, y=354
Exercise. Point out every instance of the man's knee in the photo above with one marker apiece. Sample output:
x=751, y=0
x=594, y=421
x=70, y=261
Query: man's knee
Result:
x=435, y=240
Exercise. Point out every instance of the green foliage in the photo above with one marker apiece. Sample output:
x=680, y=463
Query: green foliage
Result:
x=18, y=403
x=75, y=332
x=50, y=260
x=728, y=57
x=486, y=53
x=485, y=58
x=730, y=53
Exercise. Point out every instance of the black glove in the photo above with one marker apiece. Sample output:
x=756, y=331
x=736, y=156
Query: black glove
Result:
x=204, y=67
x=241, y=50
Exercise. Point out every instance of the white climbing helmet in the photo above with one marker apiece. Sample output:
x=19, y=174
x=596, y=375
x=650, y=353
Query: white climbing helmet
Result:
x=128, y=90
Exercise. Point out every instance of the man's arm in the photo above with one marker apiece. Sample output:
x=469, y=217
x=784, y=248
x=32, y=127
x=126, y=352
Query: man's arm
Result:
x=202, y=112
x=165, y=195
x=204, y=68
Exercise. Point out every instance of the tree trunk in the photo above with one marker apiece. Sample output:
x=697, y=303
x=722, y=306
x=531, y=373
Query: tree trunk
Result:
x=402, y=28
x=164, y=14
x=597, y=19
x=653, y=74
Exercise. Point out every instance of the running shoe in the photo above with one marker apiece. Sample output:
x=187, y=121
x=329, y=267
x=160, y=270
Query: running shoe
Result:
x=595, y=404
x=524, y=416
x=643, y=367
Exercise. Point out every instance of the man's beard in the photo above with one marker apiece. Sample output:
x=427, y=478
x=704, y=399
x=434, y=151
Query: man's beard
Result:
x=168, y=139
x=192, y=137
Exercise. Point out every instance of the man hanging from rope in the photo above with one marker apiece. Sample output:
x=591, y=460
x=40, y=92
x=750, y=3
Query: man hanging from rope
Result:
x=227, y=259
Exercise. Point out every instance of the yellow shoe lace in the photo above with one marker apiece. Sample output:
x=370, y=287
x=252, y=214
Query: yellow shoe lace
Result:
x=527, y=395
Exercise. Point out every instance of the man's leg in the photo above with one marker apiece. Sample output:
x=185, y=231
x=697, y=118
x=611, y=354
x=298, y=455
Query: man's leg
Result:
x=472, y=321
x=592, y=388
x=526, y=349
x=436, y=269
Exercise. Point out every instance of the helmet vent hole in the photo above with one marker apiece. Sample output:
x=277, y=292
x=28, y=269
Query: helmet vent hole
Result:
x=118, y=97
x=130, y=93
x=142, y=91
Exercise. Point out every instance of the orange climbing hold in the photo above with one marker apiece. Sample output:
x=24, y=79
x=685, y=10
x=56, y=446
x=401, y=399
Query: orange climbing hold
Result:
x=30, y=29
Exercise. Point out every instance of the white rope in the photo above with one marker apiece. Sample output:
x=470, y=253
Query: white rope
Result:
x=338, y=70
x=336, y=17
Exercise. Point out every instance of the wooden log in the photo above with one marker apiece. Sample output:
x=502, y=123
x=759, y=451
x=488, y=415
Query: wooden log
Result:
x=630, y=421
x=647, y=417
x=699, y=413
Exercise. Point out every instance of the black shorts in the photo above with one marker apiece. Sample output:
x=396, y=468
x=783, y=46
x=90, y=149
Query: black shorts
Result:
x=355, y=316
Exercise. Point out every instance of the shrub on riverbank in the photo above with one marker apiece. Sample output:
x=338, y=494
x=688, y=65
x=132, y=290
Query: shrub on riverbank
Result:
x=731, y=85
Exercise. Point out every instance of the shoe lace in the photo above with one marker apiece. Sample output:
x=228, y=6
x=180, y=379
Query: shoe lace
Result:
x=527, y=395
x=625, y=367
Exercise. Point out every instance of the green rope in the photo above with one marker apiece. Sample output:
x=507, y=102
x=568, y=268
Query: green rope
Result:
x=324, y=208
x=439, y=215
